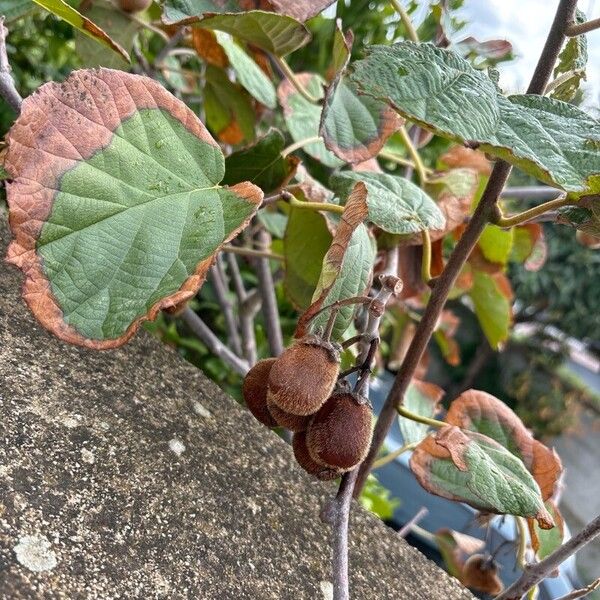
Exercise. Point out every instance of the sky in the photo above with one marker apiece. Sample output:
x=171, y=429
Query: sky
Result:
x=525, y=24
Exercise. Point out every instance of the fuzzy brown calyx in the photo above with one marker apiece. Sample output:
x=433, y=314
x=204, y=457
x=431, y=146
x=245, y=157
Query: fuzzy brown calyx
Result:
x=254, y=391
x=304, y=376
x=307, y=463
x=288, y=420
x=339, y=435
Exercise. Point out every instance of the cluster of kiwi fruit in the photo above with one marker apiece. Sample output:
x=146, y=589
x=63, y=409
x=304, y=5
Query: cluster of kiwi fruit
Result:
x=300, y=391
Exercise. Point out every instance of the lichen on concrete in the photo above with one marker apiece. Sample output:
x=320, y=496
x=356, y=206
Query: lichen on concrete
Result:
x=86, y=465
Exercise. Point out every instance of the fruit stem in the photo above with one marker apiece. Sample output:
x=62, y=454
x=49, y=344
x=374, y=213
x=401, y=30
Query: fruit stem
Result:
x=391, y=456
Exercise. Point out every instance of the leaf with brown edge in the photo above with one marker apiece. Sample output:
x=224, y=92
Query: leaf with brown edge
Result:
x=479, y=411
x=114, y=204
x=462, y=157
x=546, y=541
x=86, y=26
x=469, y=467
x=206, y=46
x=354, y=127
x=352, y=219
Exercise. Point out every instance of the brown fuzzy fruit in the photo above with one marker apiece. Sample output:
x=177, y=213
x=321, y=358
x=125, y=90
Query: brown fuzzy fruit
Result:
x=303, y=377
x=133, y=6
x=480, y=573
x=288, y=420
x=254, y=391
x=307, y=463
x=340, y=433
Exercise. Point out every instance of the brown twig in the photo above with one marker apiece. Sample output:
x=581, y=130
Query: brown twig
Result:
x=535, y=573
x=481, y=216
x=576, y=29
x=266, y=288
x=213, y=343
x=7, y=85
x=420, y=514
x=218, y=280
x=581, y=593
x=246, y=310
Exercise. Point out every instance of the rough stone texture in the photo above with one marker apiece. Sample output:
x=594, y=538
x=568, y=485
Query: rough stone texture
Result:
x=127, y=474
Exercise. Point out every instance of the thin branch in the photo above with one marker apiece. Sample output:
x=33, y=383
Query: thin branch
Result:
x=462, y=250
x=218, y=280
x=337, y=511
x=392, y=456
x=533, y=574
x=300, y=144
x=213, y=343
x=164, y=52
x=409, y=525
x=246, y=311
x=7, y=85
x=272, y=198
x=400, y=160
x=251, y=252
x=291, y=77
x=564, y=77
x=414, y=154
x=534, y=192
x=588, y=589
x=576, y=29
x=527, y=215
x=266, y=288
x=406, y=20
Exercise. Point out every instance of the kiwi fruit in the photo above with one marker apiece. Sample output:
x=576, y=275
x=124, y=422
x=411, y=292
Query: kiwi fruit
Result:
x=254, y=391
x=304, y=376
x=307, y=463
x=133, y=6
x=339, y=435
x=288, y=420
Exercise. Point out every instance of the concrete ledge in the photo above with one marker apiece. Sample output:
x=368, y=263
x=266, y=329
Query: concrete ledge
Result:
x=128, y=474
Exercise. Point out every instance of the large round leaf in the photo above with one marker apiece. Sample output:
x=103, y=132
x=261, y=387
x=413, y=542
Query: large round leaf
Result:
x=115, y=204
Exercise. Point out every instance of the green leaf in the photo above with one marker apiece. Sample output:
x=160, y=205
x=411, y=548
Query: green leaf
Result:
x=396, y=205
x=228, y=109
x=573, y=59
x=262, y=163
x=307, y=239
x=248, y=73
x=496, y=244
x=546, y=541
x=354, y=127
x=378, y=499
x=472, y=468
x=175, y=11
x=13, y=9
x=551, y=140
x=274, y=222
x=422, y=399
x=492, y=300
x=303, y=118
x=70, y=15
x=272, y=33
x=117, y=25
x=127, y=213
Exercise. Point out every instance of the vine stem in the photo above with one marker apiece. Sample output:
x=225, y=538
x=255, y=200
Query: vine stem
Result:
x=300, y=144
x=7, y=85
x=414, y=154
x=291, y=77
x=406, y=20
x=527, y=215
x=293, y=201
x=535, y=573
x=443, y=284
x=251, y=252
x=400, y=160
x=408, y=414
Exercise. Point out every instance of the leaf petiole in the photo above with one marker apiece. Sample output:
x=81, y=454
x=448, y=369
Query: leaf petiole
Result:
x=527, y=215
x=407, y=414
